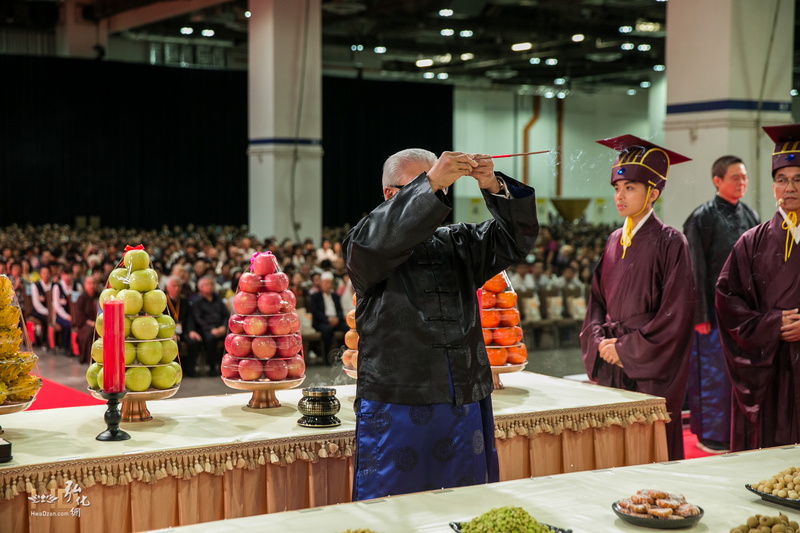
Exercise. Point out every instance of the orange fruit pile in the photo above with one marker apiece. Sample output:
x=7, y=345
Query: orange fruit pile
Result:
x=500, y=321
x=350, y=355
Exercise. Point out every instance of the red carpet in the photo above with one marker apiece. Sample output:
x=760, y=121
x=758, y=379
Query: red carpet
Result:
x=690, y=449
x=53, y=395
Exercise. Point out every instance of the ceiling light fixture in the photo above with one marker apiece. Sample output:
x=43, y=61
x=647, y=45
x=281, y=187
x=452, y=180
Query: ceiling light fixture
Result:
x=645, y=85
x=501, y=74
x=247, y=14
x=625, y=29
x=379, y=49
x=344, y=7
x=447, y=32
x=422, y=63
x=445, y=12
x=578, y=37
x=207, y=33
x=521, y=47
x=560, y=81
x=603, y=57
x=357, y=47
x=549, y=93
x=467, y=57
x=630, y=92
x=793, y=92
x=551, y=62
x=646, y=26
x=643, y=47
x=443, y=75
x=428, y=75
x=186, y=30
x=659, y=68
x=561, y=95
x=534, y=61
x=627, y=46
x=465, y=33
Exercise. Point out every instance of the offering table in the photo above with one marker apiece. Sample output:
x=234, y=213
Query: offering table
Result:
x=580, y=501
x=208, y=458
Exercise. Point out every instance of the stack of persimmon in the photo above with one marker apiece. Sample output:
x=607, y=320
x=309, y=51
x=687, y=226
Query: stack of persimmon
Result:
x=500, y=319
x=350, y=355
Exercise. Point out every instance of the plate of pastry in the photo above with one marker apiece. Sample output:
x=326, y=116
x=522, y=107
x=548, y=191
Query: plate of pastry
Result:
x=657, y=509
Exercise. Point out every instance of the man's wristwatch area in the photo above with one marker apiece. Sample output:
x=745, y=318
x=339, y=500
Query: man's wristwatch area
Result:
x=503, y=189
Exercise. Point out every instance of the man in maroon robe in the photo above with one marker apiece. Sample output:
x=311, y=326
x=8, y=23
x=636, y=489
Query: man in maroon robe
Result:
x=637, y=332
x=757, y=300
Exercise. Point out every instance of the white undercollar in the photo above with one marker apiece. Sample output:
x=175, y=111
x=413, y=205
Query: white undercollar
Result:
x=641, y=222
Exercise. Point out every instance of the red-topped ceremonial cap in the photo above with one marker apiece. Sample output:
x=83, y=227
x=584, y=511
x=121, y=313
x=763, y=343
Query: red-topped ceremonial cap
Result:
x=787, y=145
x=641, y=161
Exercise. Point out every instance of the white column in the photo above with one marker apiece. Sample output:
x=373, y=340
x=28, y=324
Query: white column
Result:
x=285, y=119
x=729, y=72
x=657, y=107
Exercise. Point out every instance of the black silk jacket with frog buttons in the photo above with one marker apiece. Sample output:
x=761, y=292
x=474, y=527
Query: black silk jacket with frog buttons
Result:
x=417, y=313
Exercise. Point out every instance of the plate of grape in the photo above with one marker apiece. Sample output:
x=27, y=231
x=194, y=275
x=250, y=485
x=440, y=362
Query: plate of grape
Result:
x=505, y=519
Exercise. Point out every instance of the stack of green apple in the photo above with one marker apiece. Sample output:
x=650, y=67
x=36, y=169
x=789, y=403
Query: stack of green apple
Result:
x=150, y=347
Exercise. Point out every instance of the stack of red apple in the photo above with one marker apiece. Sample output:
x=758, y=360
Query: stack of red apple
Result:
x=263, y=343
x=500, y=321
x=350, y=355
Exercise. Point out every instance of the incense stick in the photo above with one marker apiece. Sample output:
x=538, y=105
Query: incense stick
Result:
x=515, y=155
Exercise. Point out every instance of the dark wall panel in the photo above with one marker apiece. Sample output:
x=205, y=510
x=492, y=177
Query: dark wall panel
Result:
x=136, y=145
x=143, y=146
x=363, y=123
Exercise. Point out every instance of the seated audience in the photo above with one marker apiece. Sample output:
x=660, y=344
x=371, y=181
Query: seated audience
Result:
x=179, y=309
x=65, y=292
x=542, y=279
x=84, y=313
x=327, y=315
x=225, y=251
x=40, y=305
x=210, y=320
x=521, y=279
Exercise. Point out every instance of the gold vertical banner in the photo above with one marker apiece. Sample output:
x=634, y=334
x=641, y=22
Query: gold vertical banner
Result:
x=600, y=208
x=475, y=211
x=541, y=209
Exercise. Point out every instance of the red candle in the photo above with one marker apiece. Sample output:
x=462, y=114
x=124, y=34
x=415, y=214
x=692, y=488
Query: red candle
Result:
x=113, y=346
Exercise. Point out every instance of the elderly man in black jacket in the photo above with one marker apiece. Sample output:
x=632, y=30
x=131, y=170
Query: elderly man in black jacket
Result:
x=423, y=399
x=711, y=231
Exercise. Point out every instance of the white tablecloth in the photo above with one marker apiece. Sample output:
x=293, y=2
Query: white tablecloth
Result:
x=579, y=501
x=58, y=435
x=206, y=458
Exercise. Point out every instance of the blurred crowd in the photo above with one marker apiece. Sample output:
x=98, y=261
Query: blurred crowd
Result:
x=53, y=266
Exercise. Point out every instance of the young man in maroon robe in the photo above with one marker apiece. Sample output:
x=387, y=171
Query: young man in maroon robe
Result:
x=757, y=300
x=637, y=332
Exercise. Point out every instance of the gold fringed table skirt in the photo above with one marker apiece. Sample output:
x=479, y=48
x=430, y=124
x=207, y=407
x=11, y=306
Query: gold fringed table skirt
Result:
x=209, y=458
x=574, y=440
